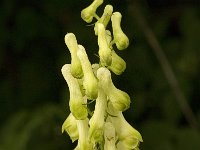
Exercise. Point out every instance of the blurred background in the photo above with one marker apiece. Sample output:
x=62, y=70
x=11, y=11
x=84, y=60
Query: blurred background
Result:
x=34, y=96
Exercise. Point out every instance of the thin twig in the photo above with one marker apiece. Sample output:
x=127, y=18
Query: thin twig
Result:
x=165, y=65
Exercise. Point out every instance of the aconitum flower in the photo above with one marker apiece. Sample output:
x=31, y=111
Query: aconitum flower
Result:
x=83, y=143
x=128, y=135
x=105, y=18
x=88, y=13
x=104, y=49
x=97, y=121
x=121, y=40
x=89, y=80
x=118, y=65
x=120, y=99
x=76, y=102
x=71, y=42
x=70, y=127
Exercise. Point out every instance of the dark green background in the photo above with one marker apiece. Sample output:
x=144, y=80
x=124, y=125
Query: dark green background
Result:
x=34, y=96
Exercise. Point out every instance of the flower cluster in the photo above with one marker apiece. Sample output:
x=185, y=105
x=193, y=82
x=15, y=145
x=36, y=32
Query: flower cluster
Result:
x=105, y=128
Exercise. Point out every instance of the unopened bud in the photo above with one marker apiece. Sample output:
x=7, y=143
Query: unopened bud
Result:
x=76, y=103
x=105, y=18
x=118, y=65
x=119, y=99
x=104, y=50
x=97, y=121
x=90, y=83
x=121, y=40
x=89, y=12
x=71, y=42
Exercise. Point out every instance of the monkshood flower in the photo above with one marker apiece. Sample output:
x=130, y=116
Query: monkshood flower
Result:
x=120, y=99
x=83, y=143
x=97, y=121
x=70, y=127
x=118, y=65
x=76, y=102
x=105, y=18
x=109, y=136
x=104, y=50
x=90, y=83
x=89, y=12
x=71, y=42
x=121, y=40
x=127, y=135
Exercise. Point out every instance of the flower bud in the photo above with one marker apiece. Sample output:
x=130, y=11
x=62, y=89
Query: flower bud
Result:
x=118, y=65
x=71, y=42
x=70, y=127
x=120, y=100
x=76, y=103
x=121, y=40
x=89, y=12
x=109, y=136
x=105, y=18
x=90, y=83
x=104, y=50
x=97, y=121
x=128, y=135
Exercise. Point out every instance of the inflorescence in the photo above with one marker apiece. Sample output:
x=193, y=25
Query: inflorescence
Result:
x=105, y=128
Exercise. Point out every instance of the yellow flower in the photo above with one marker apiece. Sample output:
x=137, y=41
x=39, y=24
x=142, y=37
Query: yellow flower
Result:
x=97, y=121
x=70, y=127
x=127, y=135
x=71, y=42
x=121, y=40
x=89, y=80
x=105, y=18
x=104, y=50
x=76, y=103
x=89, y=12
x=118, y=65
x=83, y=143
x=119, y=99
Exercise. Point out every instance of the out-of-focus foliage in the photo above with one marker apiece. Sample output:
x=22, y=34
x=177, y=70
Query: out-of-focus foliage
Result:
x=34, y=96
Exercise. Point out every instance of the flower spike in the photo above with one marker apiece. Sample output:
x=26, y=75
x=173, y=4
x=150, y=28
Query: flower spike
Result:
x=103, y=127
